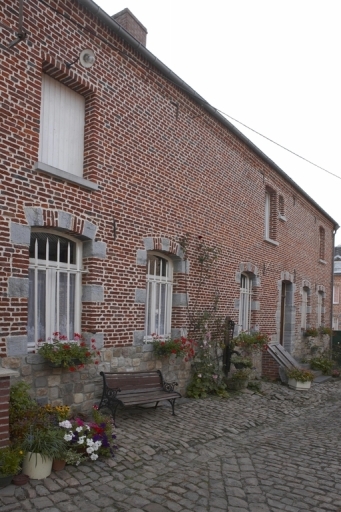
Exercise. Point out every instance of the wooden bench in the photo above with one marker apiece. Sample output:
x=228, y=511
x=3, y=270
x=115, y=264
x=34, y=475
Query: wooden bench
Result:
x=136, y=388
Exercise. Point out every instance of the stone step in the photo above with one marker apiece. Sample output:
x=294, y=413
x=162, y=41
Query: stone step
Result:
x=322, y=378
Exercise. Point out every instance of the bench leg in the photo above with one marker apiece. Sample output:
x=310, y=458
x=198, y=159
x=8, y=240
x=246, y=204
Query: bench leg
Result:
x=156, y=405
x=172, y=402
x=112, y=409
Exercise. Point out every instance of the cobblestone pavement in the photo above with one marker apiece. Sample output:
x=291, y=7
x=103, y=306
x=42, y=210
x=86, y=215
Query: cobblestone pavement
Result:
x=249, y=453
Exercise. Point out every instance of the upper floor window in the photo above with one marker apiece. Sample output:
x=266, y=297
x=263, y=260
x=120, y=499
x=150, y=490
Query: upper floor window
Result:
x=270, y=225
x=62, y=118
x=245, y=302
x=54, y=286
x=322, y=243
x=159, y=295
x=336, y=294
x=281, y=205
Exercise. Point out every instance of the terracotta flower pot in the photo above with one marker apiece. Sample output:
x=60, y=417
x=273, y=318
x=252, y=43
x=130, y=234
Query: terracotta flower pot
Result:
x=58, y=464
x=20, y=479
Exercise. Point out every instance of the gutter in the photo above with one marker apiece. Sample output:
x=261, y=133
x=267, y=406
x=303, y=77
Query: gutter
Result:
x=146, y=54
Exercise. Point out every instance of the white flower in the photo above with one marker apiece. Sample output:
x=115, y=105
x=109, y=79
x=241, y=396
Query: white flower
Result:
x=79, y=429
x=65, y=424
x=68, y=437
x=81, y=440
x=90, y=449
x=89, y=442
x=98, y=444
x=93, y=456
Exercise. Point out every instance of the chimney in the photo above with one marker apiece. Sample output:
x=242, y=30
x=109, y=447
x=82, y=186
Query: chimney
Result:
x=132, y=25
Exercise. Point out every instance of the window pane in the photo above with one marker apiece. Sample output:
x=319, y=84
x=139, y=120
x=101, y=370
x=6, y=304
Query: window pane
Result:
x=64, y=243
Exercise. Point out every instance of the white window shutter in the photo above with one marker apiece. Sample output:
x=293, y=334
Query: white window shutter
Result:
x=61, y=143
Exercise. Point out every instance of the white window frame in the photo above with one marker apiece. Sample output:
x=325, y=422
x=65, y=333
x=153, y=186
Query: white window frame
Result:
x=335, y=323
x=53, y=271
x=336, y=294
x=304, y=307
x=155, y=309
x=319, y=308
x=245, y=303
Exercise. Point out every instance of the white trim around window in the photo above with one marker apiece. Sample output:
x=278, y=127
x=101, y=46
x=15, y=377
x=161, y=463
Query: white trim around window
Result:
x=55, y=277
x=159, y=296
x=245, y=301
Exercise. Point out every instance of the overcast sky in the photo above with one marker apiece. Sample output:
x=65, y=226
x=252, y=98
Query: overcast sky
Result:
x=272, y=64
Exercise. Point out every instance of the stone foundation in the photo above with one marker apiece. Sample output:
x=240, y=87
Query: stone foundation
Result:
x=83, y=388
x=311, y=346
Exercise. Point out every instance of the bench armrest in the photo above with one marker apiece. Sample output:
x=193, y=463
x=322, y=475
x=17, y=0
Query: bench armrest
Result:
x=169, y=386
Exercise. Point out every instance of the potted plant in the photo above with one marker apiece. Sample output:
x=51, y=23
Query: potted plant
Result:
x=250, y=342
x=10, y=463
x=182, y=346
x=239, y=379
x=59, y=352
x=299, y=378
x=241, y=362
x=42, y=445
x=311, y=332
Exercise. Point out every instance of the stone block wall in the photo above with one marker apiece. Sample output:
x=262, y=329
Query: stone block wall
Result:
x=83, y=388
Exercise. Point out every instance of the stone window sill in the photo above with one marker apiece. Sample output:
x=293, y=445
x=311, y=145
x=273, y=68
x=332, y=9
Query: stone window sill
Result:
x=282, y=218
x=58, y=173
x=272, y=242
x=323, y=262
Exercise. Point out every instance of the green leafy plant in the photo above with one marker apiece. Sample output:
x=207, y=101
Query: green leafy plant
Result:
x=23, y=411
x=251, y=342
x=48, y=442
x=311, y=332
x=68, y=354
x=254, y=385
x=206, y=382
x=242, y=374
x=322, y=363
x=180, y=347
x=300, y=374
x=241, y=362
x=325, y=330
x=10, y=460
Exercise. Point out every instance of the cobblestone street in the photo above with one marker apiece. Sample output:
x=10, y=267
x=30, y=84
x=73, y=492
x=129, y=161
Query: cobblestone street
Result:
x=249, y=453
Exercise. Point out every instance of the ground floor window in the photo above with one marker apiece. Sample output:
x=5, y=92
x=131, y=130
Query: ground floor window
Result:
x=245, y=299
x=54, y=302
x=159, y=296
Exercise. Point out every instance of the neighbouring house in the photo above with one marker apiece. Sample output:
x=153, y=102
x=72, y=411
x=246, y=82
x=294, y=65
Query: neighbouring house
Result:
x=109, y=161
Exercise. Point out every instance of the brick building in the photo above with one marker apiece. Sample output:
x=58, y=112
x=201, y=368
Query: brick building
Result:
x=108, y=160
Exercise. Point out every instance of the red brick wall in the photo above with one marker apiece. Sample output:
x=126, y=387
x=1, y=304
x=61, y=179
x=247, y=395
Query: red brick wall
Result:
x=161, y=171
x=4, y=401
x=270, y=368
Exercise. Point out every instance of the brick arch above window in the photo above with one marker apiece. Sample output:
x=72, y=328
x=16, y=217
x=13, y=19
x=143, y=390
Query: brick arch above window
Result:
x=321, y=289
x=61, y=220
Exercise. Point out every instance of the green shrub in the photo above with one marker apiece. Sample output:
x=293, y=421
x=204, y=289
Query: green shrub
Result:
x=322, y=363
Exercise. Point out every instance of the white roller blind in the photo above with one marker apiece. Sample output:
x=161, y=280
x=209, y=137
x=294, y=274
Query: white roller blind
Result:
x=62, y=117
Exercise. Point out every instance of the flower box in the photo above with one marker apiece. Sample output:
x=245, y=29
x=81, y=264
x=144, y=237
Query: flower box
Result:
x=299, y=385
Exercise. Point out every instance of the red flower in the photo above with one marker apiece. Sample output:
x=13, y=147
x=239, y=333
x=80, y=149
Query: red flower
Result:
x=72, y=369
